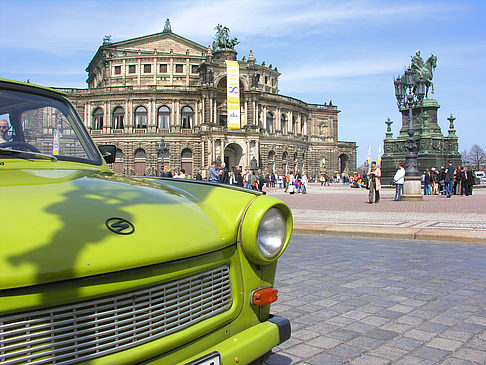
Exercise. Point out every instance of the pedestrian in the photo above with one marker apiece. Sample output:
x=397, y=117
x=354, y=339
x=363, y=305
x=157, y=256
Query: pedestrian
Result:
x=213, y=174
x=260, y=180
x=166, y=172
x=304, y=181
x=374, y=174
x=253, y=181
x=199, y=175
x=469, y=181
x=224, y=174
x=287, y=181
x=399, y=179
x=239, y=176
x=449, y=179
x=247, y=178
x=435, y=180
x=427, y=182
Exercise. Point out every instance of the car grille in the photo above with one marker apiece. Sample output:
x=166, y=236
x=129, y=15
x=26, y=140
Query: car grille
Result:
x=87, y=330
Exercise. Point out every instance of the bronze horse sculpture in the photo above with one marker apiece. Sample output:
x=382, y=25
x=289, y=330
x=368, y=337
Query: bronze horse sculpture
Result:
x=424, y=70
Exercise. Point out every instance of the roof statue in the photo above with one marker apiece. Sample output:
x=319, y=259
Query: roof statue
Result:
x=107, y=39
x=222, y=42
x=167, y=27
x=424, y=69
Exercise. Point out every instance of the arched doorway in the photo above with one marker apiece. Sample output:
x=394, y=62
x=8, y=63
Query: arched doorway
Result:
x=186, y=161
x=233, y=156
x=343, y=163
x=118, y=164
x=140, y=162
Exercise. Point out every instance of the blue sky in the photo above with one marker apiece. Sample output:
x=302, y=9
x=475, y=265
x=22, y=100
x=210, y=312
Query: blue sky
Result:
x=344, y=51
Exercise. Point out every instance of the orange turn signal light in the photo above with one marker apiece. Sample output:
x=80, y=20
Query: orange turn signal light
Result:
x=264, y=296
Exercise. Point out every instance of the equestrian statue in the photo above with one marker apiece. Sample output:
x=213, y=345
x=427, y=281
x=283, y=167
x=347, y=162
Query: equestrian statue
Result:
x=424, y=70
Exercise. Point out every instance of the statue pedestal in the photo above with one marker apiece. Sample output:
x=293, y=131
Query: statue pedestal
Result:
x=412, y=188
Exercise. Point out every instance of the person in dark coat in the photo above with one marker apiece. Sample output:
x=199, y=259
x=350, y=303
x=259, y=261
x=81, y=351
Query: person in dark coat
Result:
x=199, y=175
x=224, y=174
x=239, y=176
x=469, y=181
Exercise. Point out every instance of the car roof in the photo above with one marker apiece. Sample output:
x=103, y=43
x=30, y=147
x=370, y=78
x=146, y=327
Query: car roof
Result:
x=14, y=83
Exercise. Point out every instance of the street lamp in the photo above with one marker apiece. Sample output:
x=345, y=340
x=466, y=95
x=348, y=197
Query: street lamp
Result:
x=410, y=91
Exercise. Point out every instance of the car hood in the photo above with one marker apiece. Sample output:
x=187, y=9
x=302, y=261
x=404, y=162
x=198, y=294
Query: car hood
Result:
x=55, y=223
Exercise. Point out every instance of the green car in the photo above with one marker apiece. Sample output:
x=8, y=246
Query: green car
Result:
x=110, y=269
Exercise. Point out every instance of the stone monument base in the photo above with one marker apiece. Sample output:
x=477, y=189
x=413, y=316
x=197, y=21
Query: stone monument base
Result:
x=412, y=189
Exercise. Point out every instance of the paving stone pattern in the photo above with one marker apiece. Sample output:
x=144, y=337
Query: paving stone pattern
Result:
x=382, y=301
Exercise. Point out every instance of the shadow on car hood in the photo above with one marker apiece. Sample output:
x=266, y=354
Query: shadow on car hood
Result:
x=56, y=223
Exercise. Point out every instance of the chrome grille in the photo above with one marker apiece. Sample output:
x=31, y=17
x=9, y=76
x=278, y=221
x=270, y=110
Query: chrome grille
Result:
x=87, y=330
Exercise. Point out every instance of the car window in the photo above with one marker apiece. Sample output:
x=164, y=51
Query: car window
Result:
x=43, y=125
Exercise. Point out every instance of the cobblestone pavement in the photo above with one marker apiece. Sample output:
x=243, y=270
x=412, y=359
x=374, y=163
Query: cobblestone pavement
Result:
x=382, y=301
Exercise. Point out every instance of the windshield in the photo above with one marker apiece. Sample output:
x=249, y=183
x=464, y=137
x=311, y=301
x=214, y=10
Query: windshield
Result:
x=43, y=125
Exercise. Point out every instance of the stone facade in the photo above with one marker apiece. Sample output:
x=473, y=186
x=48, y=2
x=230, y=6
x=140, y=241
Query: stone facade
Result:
x=161, y=99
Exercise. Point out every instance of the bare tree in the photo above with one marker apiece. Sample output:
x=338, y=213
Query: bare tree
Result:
x=476, y=157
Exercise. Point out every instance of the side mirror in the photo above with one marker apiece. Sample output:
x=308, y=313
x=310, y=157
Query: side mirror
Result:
x=108, y=151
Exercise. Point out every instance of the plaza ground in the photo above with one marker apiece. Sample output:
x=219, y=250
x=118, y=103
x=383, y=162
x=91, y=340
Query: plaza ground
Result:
x=341, y=210
x=382, y=301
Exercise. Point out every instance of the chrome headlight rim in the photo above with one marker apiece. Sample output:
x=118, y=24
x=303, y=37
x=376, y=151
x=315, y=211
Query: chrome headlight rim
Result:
x=250, y=225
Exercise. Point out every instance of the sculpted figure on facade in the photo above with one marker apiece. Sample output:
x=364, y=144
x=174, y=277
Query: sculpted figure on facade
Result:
x=222, y=40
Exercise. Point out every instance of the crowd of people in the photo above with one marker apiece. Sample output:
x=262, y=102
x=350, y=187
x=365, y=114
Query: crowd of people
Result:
x=448, y=180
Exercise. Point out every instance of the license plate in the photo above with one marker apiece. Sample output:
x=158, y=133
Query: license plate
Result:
x=211, y=359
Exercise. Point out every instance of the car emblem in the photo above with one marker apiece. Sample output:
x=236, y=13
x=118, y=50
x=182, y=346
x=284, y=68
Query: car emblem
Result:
x=120, y=225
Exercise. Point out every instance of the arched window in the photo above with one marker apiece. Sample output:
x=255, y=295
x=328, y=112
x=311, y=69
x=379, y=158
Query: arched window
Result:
x=118, y=117
x=98, y=118
x=186, y=153
x=271, y=156
x=284, y=156
x=163, y=118
x=140, y=153
x=187, y=116
x=283, y=124
x=269, y=122
x=294, y=123
x=141, y=117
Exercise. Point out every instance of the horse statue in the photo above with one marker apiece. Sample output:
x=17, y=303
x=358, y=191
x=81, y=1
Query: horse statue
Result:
x=424, y=70
x=222, y=40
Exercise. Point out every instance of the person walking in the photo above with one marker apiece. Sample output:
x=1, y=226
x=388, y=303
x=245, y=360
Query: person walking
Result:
x=374, y=174
x=305, y=181
x=199, y=175
x=399, y=179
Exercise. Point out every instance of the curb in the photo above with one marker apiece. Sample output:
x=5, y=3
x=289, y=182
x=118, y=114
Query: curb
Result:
x=426, y=234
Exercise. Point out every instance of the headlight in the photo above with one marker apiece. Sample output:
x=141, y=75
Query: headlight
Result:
x=272, y=233
x=265, y=230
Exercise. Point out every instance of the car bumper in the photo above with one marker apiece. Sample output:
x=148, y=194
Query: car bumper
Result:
x=249, y=344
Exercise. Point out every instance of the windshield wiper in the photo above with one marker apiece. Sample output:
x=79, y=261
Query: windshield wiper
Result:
x=8, y=151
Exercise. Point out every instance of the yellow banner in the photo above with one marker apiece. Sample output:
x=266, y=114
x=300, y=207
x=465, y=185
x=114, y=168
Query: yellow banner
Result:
x=233, y=94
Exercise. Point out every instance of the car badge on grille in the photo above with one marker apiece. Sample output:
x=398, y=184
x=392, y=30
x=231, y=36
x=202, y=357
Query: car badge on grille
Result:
x=120, y=225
